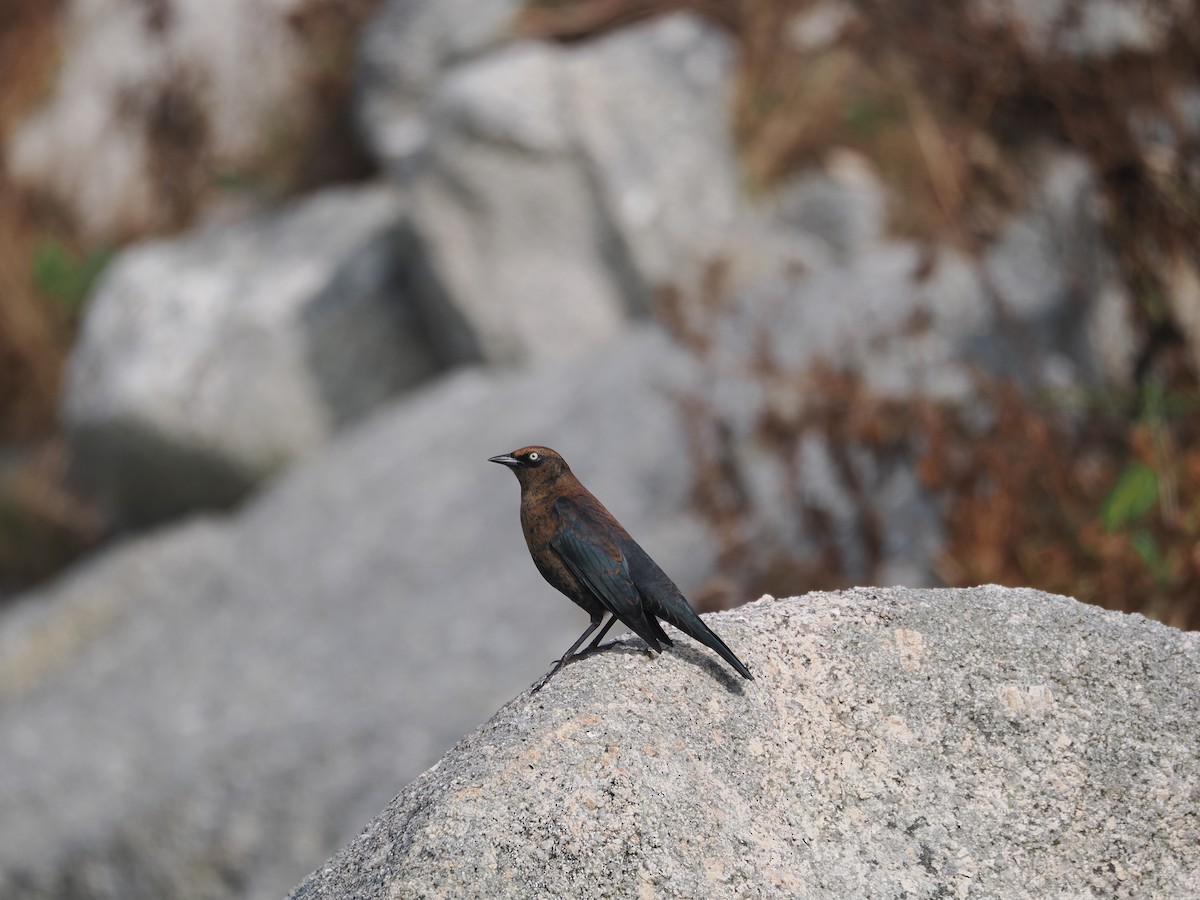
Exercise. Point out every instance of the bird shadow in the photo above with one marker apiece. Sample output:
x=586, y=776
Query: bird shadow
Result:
x=734, y=684
x=690, y=655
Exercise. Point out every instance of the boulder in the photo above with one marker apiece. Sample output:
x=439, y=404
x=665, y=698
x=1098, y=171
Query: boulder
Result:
x=213, y=709
x=563, y=184
x=812, y=276
x=516, y=263
x=650, y=108
x=948, y=743
x=406, y=49
x=209, y=361
x=153, y=99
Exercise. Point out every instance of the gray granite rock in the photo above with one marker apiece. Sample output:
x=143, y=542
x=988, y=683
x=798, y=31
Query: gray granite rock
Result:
x=210, y=361
x=651, y=111
x=406, y=49
x=518, y=262
x=990, y=742
x=813, y=276
x=562, y=185
x=212, y=710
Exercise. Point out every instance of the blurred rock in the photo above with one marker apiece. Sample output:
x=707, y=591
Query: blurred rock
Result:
x=1051, y=269
x=818, y=314
x=816, y=279
x=514, y=249
x=212, y=711
x=406, y=49
x=845, y=204
x=154, y=98
x=895, y=743
x=822, y=25
x=210, y=361
x=873, y=315
x=902, y=338
x=563, y=184
x=1183, y=301
x=651, y=110
x=1086, y=31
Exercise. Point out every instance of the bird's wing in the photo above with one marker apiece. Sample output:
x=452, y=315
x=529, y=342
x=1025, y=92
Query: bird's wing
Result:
x=596, y=559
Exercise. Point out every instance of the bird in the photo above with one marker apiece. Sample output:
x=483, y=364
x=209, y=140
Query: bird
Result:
x=581, y=549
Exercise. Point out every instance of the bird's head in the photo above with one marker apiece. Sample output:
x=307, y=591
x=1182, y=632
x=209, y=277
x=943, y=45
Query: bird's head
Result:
x=533, y=465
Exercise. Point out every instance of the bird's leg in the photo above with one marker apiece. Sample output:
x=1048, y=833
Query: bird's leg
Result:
x=595, y=644
x=595, y=623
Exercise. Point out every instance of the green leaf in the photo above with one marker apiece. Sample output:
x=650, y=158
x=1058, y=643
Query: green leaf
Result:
x=861, y=117
x=63, y=275
x=1147, y=548
x=1134, y=495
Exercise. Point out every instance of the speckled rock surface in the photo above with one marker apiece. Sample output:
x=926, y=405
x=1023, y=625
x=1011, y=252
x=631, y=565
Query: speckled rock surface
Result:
x=896, y=743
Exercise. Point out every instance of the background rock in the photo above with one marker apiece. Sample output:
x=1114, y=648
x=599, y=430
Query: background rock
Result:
x=563, y=184
x=515, y=254
x=650, y=107
x=210, y=361
x=820, y=321
x=843, y=205
x=818, y=279
x=154, y=98
x=1097, y=29
x=1049, y=269
x=925, y=743
x=210, y=710
x=405, y=51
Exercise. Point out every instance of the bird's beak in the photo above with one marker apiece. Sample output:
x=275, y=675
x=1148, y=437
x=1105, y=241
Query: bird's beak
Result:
x=505, y=460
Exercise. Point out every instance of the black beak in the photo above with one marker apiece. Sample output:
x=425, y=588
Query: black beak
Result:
x=505, y=460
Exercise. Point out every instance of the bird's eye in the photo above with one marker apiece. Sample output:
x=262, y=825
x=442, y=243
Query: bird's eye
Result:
x=534, y=456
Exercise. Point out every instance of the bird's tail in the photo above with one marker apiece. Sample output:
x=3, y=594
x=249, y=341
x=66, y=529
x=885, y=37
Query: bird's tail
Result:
x=693, y=626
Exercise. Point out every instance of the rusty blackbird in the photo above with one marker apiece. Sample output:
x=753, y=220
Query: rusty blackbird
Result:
x=582, y=550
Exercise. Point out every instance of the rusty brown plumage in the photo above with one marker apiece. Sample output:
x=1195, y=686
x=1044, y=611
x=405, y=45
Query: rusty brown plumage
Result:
x=583, y=551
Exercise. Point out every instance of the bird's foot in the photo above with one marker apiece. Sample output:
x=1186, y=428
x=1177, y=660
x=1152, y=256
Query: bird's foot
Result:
x=583, y=654
x=599, y=648
x=558, y=664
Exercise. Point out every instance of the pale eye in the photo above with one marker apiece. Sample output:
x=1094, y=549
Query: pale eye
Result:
x=534, y=456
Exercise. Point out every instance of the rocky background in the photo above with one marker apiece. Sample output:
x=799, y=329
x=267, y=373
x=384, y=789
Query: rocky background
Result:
x=812, y=294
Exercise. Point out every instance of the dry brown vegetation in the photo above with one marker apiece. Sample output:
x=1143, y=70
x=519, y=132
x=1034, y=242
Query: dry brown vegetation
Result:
x=33, y=332
x=1104, y=509
x=41, y=524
